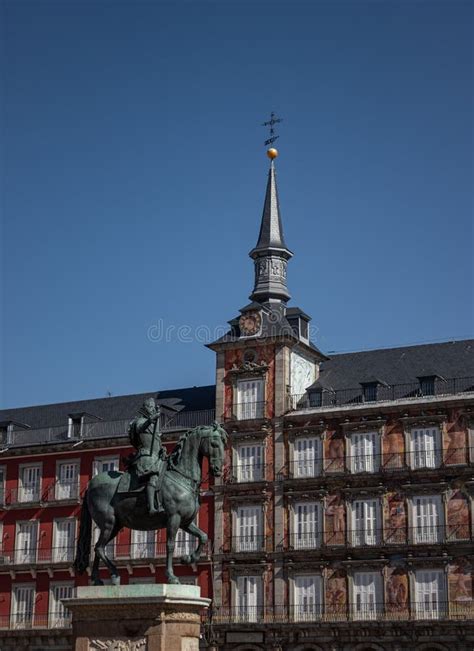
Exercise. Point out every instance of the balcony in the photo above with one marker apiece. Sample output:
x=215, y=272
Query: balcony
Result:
x=25, y=496
x=354, y=612
x=390, y=536
x=250, y=543
x=27, y=621
x=243, y=473
x=99, y=429
x=247, y=411
x=20, y=557
x=149, y=551
x=413, y=391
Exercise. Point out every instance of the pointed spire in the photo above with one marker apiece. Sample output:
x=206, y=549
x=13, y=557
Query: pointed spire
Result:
x=270, y=253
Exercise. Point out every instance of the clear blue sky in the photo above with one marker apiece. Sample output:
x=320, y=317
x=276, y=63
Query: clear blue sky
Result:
x=133, y=175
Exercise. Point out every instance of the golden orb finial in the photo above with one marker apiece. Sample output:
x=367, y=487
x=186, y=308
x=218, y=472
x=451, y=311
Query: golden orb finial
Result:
x=272, y=153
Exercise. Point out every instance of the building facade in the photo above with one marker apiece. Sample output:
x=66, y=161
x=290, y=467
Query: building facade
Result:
x=343, y=519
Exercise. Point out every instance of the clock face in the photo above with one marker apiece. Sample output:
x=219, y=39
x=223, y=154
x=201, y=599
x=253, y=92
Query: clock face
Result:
x=250, y=324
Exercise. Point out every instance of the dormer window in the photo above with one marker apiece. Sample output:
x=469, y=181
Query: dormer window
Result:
x=7, y=431
x=315, y=398
x=75, y=426
x=427, y=384
x=370, y=391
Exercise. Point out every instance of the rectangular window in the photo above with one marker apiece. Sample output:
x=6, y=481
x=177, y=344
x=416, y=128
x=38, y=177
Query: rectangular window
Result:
x=59, y=616
x=105, y=464
x=67, y=482
x=367, y=595
x=109, y=549
x=64, y=538
x=307, y=525
x=248, y=526
x=75, y=427
x=430, y=594
x=250, y=399
x=307, y=457
x=425, y=446
x=249, y=463
x=30, y=482
x=26, y=542
x=3, y=475
x=185, y=543
x=364, y=450
x=307, y=598
x=427, y=519
x=143, y=544
x=23, y=604
x=365, y=523
x=248, y=598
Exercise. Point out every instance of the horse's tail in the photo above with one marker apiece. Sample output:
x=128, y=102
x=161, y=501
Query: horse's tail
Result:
x=81, y=562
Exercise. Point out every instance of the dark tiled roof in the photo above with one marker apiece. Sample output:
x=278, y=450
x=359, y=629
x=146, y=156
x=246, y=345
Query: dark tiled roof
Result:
x=113, y=408
x=398, y=365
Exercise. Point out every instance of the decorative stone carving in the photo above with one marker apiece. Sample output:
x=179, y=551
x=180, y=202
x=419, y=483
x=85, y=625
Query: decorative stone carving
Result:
x=249, y=368
x=122, y=644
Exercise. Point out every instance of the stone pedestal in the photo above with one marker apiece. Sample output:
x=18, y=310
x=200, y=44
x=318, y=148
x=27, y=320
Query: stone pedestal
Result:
x=137, y=617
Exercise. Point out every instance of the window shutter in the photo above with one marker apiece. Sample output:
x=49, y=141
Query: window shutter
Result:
x=23, y=605
x=27, y=540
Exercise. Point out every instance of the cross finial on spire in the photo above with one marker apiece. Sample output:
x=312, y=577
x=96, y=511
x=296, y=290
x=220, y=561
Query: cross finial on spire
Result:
x=269, y=141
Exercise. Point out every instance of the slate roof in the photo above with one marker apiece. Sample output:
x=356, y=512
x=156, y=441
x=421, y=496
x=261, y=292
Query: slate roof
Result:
x=398, y=365
x=113, y=408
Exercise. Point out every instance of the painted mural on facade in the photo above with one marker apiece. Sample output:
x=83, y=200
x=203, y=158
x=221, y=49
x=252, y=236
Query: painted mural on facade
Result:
x=336, y=591
x=334, y=452
x=454, y=442
x=395, y=518
x=393, y=446
x=458, y=515
x=396, y=590
x=460, y=579
x=335, y=524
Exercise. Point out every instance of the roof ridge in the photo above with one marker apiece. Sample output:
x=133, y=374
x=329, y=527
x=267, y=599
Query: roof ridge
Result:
x=400, y=347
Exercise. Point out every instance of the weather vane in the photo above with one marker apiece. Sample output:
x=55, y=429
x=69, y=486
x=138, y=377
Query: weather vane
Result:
x=272, y=153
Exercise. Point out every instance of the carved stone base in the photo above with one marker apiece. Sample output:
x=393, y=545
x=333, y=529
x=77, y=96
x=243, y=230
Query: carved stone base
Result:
x=136, y=617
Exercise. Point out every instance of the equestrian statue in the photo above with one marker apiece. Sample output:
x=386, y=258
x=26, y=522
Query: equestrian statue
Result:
x=156, y=491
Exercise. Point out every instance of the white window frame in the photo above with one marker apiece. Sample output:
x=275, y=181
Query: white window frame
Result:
x=367, y=606
x=307, y=539
x=99, y=461
x=248, y=607
x=246, y=470
x=31, y=557
x=371, y=533
x=59, y=617
x=369, y=460
x=247, y=409
x=306, y=464
x=431, y=530
x=64, y=554
x=26, y=621
x=420, y=458
x=70, y=426
x=3, y=484
x=72, y=484
x=145, y=549
x=252, y=541
x=306, y=612
x=23, y=495
x=428, y=606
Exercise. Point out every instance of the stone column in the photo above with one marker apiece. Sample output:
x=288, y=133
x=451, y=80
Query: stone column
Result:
x=138, y=617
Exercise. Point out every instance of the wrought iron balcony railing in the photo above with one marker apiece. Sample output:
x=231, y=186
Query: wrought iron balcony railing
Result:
x=98, y=429
x=396, y=392
x=30, y=620
x=246, y=411
x=352, y=612
x=152, y=550
x=386, y=462
x=242, y=473
x=21, y=556
x=249, y=543
x=370, y=537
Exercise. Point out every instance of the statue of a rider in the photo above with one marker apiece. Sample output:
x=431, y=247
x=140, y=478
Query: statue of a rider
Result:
x=149, y=460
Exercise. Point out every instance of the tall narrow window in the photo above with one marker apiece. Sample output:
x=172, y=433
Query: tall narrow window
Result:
x=307, y=457
x=67, y=484
x=2, y=485
x=26, y=542
x=23, y=604
x=248, y=598
x=307, y=525
x=365, y=522
x=307, y=600
x=365, y=457
x=249, y=463
x=75, y=427
x=248, y=526
x=427, y=519
x=250, y=399
x=143, y=544
x=430, y=594
x=425, y=448
x=30, y=484
x=64, y=540
x=367, y=597
x=59, y=616
x=185, y=543
x=109, y=548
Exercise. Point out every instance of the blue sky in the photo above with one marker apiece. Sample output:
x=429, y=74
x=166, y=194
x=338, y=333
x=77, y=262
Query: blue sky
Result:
x=133, y=175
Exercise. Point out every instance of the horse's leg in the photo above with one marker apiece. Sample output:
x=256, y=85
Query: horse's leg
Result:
x=201, y=536
x=95, y=571
x=107, y=534
x=172, y=527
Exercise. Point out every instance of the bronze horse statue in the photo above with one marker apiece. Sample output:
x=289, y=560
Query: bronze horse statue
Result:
x=113, y=507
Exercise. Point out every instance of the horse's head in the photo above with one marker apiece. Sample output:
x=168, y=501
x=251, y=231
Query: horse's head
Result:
x=213, y=446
